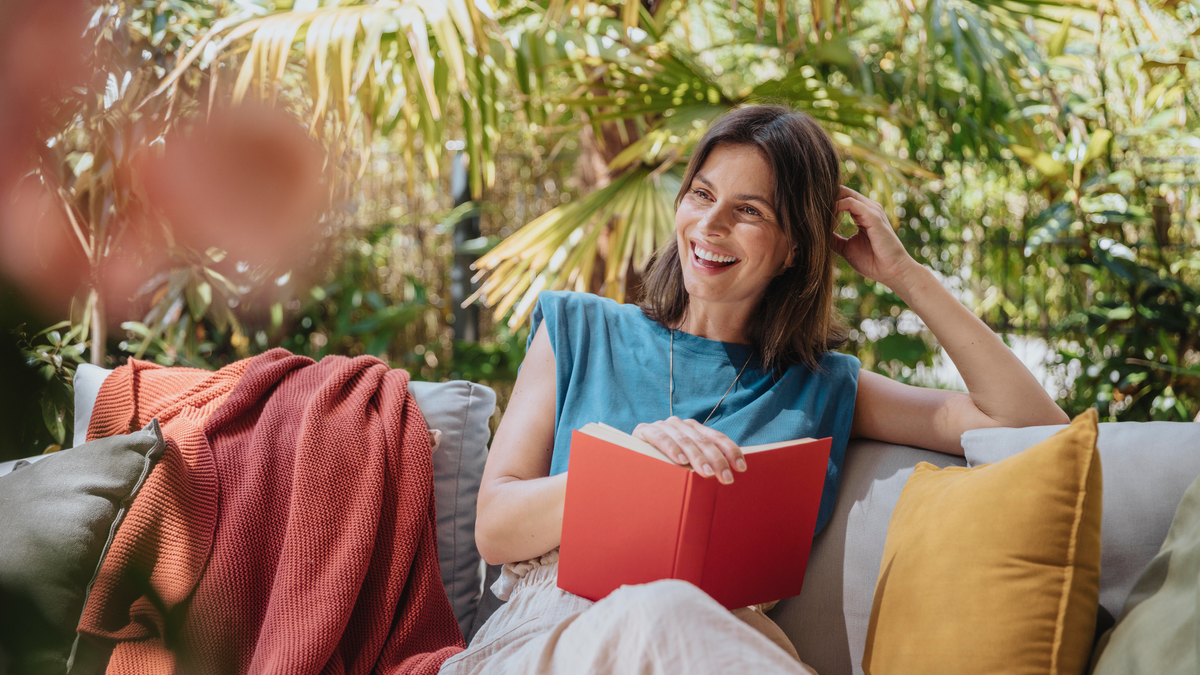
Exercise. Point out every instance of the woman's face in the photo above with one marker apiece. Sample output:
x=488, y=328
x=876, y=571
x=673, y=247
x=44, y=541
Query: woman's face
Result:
x=731, y=243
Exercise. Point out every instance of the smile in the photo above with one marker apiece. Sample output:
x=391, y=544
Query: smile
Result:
x=707, y=258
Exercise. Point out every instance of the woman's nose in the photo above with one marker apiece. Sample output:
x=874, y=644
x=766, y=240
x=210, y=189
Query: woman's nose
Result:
x=716, y=220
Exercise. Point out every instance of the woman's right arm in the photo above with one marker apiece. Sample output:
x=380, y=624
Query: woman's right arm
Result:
x=520, y=508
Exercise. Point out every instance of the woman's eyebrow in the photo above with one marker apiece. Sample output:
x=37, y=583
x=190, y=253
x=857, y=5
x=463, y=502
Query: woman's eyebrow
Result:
x=743, y=197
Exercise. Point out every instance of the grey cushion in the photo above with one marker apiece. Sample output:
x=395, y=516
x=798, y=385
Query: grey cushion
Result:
x=88, y=379
x=828, y=621
x=460, y=410
x=1159, y=633
x=10, y=466
x=57, y=517
x=1147, y=467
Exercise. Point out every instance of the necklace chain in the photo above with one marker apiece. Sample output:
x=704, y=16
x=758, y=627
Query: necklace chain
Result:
x=671, y=388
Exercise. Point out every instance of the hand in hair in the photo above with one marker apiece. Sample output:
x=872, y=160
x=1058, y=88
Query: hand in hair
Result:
x=874, y=251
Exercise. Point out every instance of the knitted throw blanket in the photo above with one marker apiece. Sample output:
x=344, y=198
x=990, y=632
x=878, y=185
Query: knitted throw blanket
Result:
x=288, y=528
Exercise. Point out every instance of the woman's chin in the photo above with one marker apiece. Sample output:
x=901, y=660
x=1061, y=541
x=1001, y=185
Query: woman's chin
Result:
x=707, y=288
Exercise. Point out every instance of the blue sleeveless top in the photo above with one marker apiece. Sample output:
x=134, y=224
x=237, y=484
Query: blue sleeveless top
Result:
x=613, y=361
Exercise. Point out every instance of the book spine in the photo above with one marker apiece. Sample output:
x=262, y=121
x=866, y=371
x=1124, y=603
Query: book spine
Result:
x=695, y=524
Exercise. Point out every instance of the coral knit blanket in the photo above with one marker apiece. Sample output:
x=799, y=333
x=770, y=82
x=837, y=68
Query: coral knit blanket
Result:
x=288, y=528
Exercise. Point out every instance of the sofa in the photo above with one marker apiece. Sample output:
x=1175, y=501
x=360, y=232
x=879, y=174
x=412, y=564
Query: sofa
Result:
x=1146, y=469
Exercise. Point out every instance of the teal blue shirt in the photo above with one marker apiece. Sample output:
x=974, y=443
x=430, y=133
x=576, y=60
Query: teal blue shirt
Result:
x=612, y=366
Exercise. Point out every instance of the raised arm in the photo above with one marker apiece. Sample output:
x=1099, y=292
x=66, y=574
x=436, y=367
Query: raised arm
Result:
x=1000, y=389
x=520, y=508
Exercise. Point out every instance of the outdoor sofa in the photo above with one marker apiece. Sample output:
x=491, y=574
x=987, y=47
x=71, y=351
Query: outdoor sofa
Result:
x=1146, y=469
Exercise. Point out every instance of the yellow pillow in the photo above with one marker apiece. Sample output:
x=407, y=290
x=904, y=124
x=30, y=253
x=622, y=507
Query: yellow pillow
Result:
x=994, y=569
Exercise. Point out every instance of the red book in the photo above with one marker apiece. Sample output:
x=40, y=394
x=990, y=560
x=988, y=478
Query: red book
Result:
x=632, y=516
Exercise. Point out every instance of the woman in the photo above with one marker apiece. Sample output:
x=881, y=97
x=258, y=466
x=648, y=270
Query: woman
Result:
x=731, y=345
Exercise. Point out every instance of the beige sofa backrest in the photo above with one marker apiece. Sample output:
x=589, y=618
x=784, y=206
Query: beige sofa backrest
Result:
x=1146, y=466
x=828, y=621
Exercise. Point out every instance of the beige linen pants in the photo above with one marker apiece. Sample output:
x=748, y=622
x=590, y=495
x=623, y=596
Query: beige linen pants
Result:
x=652, y=629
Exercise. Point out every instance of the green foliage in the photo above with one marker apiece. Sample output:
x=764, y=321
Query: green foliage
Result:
x=190, y=314
x=496, y=361
x=1040, y=157
x=1131, y=342
x=55, y=355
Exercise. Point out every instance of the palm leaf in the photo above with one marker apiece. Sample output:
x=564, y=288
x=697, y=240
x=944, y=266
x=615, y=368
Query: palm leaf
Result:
x=674, y=99
x=342, y=50
x=557, y=251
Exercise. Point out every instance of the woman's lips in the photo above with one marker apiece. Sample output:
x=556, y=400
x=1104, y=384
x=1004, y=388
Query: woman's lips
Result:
x=709, y=266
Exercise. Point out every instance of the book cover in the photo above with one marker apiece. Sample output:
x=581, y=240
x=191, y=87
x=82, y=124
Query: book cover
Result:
x=632, y=516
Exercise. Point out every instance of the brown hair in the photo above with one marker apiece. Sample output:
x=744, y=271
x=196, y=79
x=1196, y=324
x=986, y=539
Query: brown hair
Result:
x=796, y=321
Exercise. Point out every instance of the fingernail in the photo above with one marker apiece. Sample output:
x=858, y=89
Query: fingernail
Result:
x=726, y=476
x=681, y=458
x=741, y=465
x=707, y=470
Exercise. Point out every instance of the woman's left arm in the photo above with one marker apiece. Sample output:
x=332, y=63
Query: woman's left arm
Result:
x=1000, y=389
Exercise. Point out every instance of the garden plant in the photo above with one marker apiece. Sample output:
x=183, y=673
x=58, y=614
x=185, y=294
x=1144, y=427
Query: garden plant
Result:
x=229, y=177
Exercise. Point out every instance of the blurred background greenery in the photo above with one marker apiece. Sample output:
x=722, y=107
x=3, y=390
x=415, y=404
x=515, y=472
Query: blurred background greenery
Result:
x=1043, y=158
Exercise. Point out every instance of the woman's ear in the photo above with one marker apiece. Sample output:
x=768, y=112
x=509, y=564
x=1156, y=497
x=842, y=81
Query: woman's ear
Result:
x=789, y=261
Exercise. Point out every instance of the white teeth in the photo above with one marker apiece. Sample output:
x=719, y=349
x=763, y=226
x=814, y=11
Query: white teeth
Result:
x=713, y=257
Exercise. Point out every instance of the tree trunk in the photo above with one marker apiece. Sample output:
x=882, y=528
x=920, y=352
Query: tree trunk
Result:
x=99, y=327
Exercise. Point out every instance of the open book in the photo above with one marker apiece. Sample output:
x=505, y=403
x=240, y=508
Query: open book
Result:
x=633, y=516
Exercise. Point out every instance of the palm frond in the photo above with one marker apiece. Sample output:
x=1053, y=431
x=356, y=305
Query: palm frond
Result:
x=377, y=64
x=673, y=99
x=629, y=218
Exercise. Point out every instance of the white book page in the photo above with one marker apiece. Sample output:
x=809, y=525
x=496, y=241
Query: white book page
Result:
x=618, y=437
x=772, y=446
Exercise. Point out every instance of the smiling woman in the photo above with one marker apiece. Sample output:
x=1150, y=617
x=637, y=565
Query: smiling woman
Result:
x=733, y=344
x=760, y=188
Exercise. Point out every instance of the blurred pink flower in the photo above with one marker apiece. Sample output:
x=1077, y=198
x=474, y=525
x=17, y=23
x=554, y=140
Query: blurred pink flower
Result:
x=41, y=56
x=246, y=181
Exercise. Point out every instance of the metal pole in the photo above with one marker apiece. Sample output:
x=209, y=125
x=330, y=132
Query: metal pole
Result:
x=466, y=319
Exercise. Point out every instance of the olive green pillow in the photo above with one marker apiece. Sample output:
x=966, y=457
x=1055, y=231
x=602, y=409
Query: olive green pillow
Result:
x=57, y=519
x=1159, y=630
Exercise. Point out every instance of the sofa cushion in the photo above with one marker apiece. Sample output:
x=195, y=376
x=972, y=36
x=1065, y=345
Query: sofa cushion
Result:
x=88, y=379
x=995, y=568
x=460, y=410
x=57, y=518
x=1147, y=467
x=828, y=621
x=1159, y=630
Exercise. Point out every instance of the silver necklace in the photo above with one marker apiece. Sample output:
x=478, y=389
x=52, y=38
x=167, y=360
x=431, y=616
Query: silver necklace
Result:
x=671, y=388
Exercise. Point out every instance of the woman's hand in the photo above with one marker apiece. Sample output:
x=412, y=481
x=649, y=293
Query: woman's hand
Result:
x=1001, y=390
x=874, y=251
x=710, y=452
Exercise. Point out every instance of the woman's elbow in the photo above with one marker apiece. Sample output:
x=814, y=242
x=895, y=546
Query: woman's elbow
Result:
x=487, y=549
x=1059, y=416
x=1031, y=414
x=1046, y=414
x=487, y=540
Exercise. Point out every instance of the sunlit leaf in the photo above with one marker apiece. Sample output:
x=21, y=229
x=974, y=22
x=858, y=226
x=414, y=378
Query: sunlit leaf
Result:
x=558, y=250
x=1041, y=161
x=1055, y=46
x=341, y=45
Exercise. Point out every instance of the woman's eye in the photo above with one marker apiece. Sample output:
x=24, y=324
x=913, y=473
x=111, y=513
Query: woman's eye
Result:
x=700, y=193
x=752, y=211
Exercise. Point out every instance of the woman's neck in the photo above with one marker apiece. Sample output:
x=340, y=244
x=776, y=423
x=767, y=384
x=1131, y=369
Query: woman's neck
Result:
x=724, y=322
